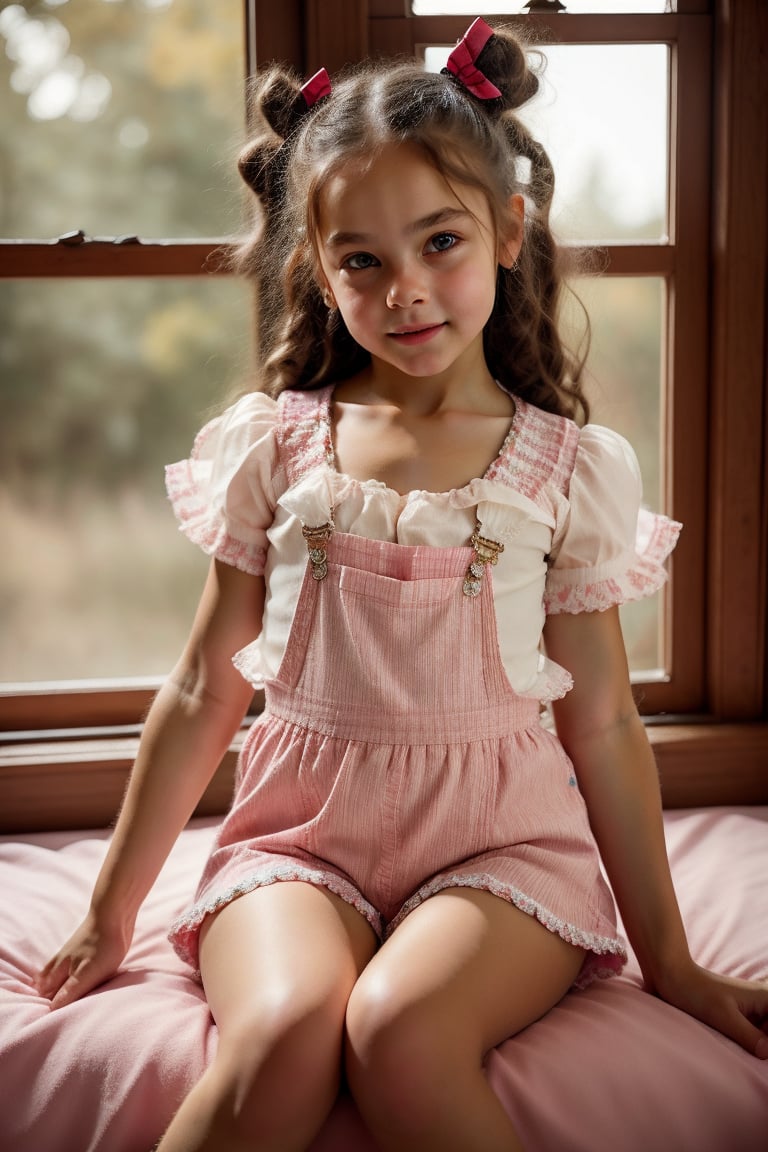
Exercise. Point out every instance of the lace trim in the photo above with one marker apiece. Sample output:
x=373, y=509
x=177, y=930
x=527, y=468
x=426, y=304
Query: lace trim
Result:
x=183, y=933
x=539, y=448
x=248, y=663
x=599, y=946
x=552, y=683
x=636, y=575
x=304, y=431
x=205, y=527
x=542, y=451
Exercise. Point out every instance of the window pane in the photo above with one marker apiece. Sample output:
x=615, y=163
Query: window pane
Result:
x=602, y=112
x=120, y=118
x=624, y=389
x=102, y=383
x=513, y=7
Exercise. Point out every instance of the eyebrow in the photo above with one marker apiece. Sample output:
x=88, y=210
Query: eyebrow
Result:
x=441, y=216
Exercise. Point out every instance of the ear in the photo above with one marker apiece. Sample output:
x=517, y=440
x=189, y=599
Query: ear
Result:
x=325, y=291
x=511, y=238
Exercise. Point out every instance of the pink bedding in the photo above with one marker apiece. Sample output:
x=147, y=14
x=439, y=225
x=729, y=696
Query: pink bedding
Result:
x=609, y=1068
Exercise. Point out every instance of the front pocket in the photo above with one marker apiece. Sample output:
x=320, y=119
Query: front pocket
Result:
x=414, y=646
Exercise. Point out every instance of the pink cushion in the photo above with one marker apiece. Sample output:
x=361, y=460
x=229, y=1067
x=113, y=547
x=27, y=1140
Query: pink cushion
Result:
x=608, y=1068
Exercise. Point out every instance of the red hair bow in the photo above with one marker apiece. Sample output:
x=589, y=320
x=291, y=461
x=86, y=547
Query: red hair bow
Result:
x=316, y=88
x=461, y=62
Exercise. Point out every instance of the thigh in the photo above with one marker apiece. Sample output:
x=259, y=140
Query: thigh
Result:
x=470, y=967
x=280, y=950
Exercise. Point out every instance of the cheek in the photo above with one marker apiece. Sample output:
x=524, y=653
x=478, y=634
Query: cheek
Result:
x=355, y=308
x=476, y=287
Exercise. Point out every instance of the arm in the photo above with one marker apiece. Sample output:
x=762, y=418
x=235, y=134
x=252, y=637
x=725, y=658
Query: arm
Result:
x=602, y=733
x=188, y=729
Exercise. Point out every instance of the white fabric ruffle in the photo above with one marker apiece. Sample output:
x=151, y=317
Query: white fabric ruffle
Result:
x=222, y=495
x=607, y=549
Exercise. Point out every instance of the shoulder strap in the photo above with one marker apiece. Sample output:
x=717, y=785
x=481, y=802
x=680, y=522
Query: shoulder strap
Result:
x=542, y=452
x=304, y=431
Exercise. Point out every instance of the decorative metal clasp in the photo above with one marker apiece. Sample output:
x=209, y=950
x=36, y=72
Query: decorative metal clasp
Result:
x=316, y=539
x=486, y=552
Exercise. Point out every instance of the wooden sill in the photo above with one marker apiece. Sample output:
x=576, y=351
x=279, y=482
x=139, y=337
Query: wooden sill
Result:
x=61, y=784
x=64, y=784
x=702, y=765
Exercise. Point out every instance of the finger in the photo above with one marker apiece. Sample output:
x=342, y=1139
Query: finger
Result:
x=83, y=977
x=43, y=973
x=70, y=991
x=77, y=984
x=738, y=1027
x=51, y=976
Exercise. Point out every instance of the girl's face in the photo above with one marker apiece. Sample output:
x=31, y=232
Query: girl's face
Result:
x=411, y=262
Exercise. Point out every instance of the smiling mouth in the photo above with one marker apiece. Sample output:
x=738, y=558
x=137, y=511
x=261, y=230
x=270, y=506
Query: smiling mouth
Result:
x=416, y=335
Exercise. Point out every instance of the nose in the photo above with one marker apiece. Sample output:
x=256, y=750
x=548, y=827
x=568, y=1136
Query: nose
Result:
x=407, y=287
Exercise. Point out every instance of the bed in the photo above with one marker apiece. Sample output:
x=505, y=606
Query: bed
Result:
x=610, y=1067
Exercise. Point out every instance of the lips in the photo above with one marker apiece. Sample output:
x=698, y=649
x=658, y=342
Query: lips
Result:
x=416, y=335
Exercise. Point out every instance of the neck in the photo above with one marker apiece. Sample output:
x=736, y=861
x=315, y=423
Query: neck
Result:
x=468, y=387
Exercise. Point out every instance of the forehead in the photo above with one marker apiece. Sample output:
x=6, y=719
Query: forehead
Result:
x=396, y=185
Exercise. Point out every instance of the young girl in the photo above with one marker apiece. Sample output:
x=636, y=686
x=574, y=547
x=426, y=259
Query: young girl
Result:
x=409, y=872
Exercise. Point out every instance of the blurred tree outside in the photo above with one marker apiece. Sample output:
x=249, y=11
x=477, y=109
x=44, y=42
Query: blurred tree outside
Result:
x=118, y=117
x=624, y=377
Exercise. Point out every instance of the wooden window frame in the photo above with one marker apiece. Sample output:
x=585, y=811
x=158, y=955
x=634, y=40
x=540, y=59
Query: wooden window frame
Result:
x=709, y=723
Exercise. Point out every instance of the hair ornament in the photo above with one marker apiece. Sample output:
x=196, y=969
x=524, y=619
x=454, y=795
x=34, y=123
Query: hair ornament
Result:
x=462, y=62
x=317, y=88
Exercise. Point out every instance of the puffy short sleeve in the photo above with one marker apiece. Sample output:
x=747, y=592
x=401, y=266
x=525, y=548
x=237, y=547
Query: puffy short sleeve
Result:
x=223, y=494
x=607, y=549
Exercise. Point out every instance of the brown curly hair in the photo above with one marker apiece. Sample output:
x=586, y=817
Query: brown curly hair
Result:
x=483, y=144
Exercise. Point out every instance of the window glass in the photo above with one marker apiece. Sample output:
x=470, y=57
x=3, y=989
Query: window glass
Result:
x=120, y=117
x=609, y=154
x=102, y=382
x=624, y=387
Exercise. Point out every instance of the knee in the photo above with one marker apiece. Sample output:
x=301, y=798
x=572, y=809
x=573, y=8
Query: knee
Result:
x=286, y=1036
x=283, y=1058
x=401, y=1055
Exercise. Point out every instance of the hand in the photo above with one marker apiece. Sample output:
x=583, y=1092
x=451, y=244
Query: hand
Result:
x=92, y=954
x=737, y=1008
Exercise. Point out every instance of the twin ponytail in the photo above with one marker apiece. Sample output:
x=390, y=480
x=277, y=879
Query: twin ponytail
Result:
x=492, y=68
x=279, y=105
x=283, y=104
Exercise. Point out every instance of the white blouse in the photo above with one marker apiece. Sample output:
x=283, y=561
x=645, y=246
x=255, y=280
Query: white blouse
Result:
x=580, y=544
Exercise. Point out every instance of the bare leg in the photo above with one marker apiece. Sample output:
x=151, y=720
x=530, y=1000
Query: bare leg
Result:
x=278, y=965
x=463, y=972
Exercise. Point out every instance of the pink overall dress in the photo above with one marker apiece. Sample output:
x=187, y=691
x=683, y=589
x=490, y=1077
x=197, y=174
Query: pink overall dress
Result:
x=393, y=758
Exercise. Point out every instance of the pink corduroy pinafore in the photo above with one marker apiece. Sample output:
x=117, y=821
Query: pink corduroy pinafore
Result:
x=393, y=758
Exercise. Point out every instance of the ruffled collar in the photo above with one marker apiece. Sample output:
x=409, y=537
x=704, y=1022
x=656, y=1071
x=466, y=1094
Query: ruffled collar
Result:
x=499, y=509
x=537, y=454
x=501, y=461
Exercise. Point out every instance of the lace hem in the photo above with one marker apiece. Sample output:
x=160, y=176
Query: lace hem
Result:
x=248, y=663
x=205, y=527
x=552, y=683
x=607, y=955
x=184, y=932
x=637, y=574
